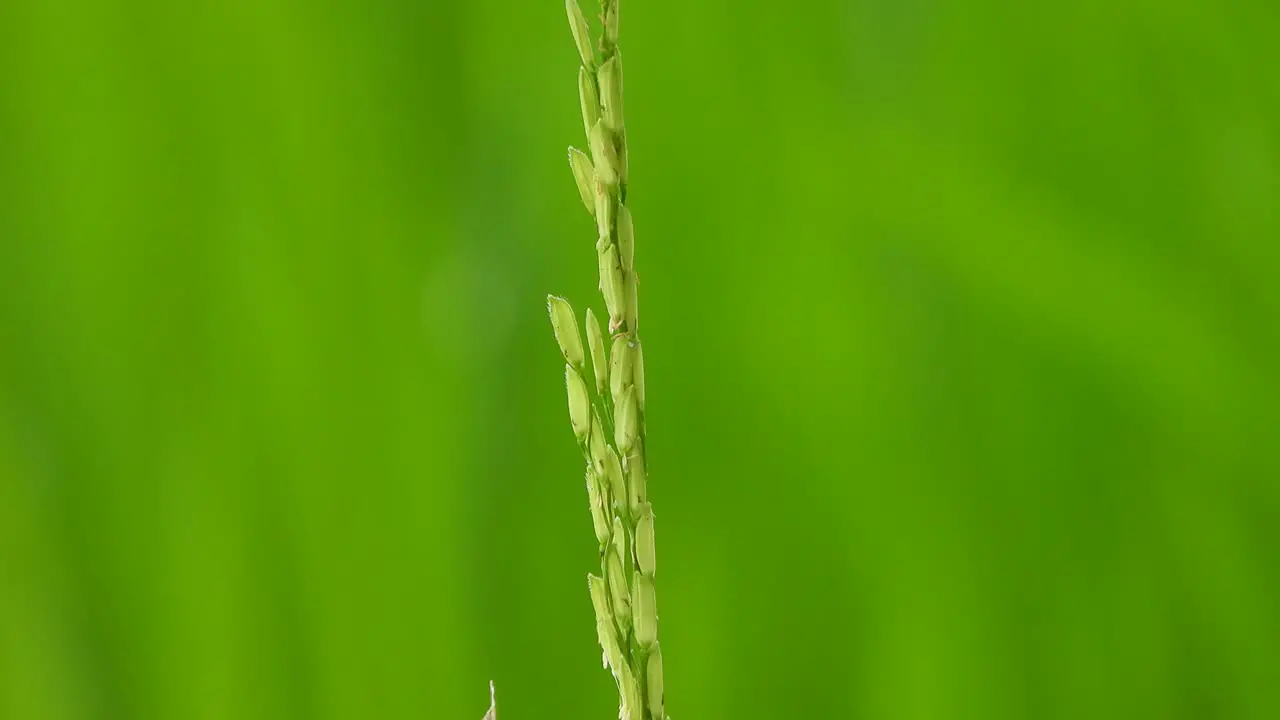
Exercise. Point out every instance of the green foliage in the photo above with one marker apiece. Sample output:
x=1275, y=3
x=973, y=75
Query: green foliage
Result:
x=963, y=322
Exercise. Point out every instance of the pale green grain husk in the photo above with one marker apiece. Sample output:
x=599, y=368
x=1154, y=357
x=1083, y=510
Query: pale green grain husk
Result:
x=623, y=595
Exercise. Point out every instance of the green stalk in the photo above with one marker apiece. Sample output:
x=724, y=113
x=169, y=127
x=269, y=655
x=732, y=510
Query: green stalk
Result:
x=608, y=416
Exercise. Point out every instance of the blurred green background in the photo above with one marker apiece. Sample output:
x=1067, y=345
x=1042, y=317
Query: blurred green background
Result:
x=962, y=334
